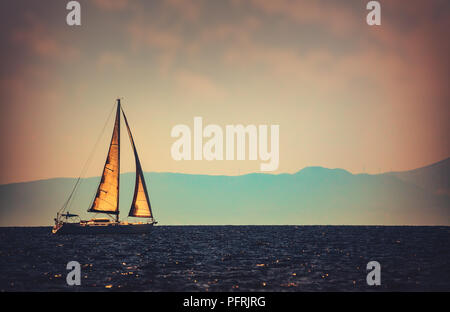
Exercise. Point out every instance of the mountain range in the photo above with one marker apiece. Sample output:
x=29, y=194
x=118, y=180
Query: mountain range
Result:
x=312, y=196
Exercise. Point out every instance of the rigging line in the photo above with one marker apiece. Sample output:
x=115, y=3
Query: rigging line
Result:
x=70, y=196
x=68, y=203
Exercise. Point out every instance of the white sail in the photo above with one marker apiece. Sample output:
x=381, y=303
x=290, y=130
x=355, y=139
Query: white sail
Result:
x=140, y=206
x=107, y=197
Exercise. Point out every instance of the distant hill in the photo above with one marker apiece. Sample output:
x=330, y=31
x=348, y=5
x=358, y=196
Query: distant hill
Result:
x=314, y=195
x=434, y=178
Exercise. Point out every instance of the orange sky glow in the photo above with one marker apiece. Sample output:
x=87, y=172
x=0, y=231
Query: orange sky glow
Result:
x=345, y=94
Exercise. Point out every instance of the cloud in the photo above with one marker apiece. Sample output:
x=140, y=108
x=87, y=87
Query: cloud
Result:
x=166, y=43
x=112, y=5
x=198, y=86
x=189, y=10
x=341, y=88
x=336, y=17
x=40, y=40
x=240, y=31
x=154, y=37
x=108, y=59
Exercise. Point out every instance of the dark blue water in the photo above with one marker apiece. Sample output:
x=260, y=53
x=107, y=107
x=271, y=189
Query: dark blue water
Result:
x=229, y=258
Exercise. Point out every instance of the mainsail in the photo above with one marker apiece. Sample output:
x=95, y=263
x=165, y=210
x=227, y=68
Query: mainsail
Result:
x=107, y=197
x=140, y=206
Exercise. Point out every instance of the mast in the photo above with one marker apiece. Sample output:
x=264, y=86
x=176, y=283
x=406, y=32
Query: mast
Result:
x=107, y=197
x=119, y=107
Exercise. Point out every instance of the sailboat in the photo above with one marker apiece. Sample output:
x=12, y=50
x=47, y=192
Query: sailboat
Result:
x=106, y=200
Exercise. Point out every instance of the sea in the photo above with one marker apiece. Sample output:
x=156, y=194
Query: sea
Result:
x=229, y=258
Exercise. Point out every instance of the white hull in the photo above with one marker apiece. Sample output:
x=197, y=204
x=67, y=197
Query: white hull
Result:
x=112, y=228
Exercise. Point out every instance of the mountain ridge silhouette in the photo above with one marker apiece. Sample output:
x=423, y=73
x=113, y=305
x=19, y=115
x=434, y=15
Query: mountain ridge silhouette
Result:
x=312, y=195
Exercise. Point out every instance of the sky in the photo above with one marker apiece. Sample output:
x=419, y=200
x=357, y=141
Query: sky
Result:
x=344, y=94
